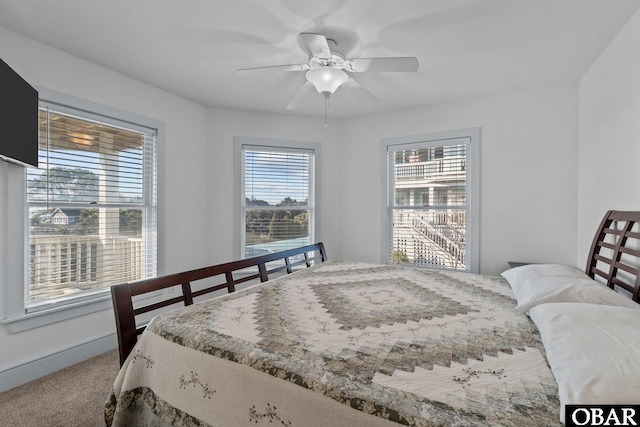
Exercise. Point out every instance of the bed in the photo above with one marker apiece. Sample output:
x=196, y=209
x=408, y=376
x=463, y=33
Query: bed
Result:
x=354, y=344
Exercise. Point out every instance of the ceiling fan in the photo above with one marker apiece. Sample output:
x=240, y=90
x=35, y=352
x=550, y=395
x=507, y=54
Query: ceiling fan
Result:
x=328, y=69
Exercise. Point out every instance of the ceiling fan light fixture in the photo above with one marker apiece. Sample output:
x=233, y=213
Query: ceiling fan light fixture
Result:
x=326, y=80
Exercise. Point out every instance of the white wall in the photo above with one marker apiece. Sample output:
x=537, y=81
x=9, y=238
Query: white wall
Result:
x=528, y=173
x=609, y=151
x=223, y=126
x=185, y=181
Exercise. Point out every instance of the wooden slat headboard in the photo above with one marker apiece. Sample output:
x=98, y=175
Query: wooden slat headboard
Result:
x=614, y=257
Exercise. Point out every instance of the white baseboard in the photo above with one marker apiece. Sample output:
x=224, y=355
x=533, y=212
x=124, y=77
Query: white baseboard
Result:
x=34, y=369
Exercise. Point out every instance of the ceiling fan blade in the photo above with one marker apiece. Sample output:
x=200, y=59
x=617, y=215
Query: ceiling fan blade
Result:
x=358, y=91
x=317, y=44
x=403, y=64
x=306, y=90
x=274, y=69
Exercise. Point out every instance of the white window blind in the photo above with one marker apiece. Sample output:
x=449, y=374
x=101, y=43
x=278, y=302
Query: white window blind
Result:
x=429, y=204
x=277, y=200
x=92, y=207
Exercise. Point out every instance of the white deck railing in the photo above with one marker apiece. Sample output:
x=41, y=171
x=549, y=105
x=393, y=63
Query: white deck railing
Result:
x=63, y=265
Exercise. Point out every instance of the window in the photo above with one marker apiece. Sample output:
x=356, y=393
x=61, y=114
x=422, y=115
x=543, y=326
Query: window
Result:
x=432, y=200
x=276, y=195
x=91, y=206
x=90, y=211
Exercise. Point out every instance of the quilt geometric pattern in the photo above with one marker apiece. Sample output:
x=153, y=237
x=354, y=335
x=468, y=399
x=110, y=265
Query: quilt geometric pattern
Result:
x=367, y=303
x=419, y=347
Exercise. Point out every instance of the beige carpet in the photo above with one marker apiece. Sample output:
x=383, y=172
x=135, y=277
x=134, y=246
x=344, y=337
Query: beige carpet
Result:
x=71, y=397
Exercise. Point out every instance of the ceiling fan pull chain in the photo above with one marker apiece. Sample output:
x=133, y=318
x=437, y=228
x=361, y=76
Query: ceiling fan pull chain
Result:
x=326, y=104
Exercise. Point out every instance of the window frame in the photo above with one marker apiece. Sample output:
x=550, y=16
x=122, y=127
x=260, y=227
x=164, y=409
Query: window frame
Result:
x=238, y=183
x=16, y=317
x=473, y=188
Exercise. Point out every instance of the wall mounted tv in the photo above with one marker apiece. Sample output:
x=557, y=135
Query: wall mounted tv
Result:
x=18, y=118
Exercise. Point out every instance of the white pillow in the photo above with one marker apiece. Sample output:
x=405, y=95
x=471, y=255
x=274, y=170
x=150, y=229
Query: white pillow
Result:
x=593, y=351
x=535, y=284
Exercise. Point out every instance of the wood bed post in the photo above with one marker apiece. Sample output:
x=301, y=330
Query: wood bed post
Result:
x=323, y=253
x=231, y=285
x=186, y=291
x=263, y=272
x=125, y=320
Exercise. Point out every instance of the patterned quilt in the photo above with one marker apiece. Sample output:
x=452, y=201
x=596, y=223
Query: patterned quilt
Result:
x=343, y=343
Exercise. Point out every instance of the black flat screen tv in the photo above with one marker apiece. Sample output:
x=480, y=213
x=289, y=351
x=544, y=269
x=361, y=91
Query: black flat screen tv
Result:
x=18, y=118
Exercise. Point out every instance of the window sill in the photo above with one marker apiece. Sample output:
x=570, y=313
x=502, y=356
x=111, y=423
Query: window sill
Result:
x=57, y=314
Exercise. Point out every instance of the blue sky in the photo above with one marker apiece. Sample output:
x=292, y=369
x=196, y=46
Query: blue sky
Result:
x=272, y=175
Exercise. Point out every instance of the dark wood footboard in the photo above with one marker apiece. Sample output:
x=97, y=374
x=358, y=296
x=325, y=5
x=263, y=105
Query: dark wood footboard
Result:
x=122, y=295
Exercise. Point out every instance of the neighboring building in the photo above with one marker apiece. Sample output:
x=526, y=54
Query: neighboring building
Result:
x=55, y=216
x=51, y=221
x=432, y=181
x=65, y=216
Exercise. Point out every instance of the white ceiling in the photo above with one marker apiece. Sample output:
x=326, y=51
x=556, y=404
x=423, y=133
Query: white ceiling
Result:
x=466, y=48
